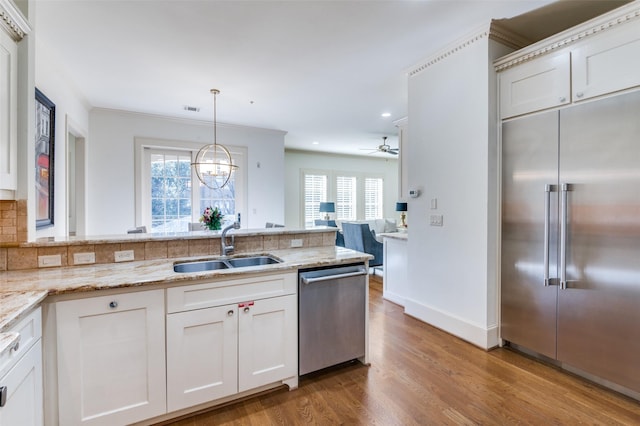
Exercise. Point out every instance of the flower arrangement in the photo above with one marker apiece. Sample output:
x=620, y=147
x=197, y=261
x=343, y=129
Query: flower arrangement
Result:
x=211, y=218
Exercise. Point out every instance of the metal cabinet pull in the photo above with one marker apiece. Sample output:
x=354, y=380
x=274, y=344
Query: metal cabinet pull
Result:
x=15, y=347
x=230, y=313
x=113, y=304
x=333, y=277
x=3, y=395
x=246, y=309
x=563, y=234
x=547, y=219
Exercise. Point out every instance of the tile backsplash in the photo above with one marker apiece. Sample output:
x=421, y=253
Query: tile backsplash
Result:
x=17, y=257
x=13, y=222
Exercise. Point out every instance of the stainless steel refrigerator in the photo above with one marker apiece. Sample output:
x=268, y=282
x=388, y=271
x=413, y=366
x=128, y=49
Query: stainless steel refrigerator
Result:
x=570, y=283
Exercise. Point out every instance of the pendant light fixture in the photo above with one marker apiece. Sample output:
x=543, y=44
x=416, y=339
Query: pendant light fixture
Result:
x=213, y=164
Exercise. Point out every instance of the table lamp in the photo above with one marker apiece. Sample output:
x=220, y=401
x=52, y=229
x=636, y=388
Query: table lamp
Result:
x=402, y=207
x=327, y=208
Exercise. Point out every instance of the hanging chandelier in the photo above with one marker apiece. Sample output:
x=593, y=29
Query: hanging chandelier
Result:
x=213, y=164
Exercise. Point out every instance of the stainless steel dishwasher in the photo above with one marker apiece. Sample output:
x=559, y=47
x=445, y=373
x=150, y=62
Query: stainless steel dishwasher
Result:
x=332, y=305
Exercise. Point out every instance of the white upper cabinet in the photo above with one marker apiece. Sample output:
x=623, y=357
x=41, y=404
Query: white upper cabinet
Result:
x=536, y=85
x=599, y=57
x=13, y=26
x=608, y=63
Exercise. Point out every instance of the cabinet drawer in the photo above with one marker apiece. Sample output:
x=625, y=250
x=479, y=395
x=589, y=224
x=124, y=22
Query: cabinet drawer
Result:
x=30, y=330
x=536, y=85
x=607, y=63
x=219, y=293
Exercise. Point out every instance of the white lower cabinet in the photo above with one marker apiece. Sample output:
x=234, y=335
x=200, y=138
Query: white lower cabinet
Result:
x=222, y=338
x=111, y=358
x=202, y=356
x=268, y=342
x=218, y=351
x=21, y=376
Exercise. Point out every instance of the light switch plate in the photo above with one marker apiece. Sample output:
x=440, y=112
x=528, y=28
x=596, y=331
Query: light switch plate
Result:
x=123, y=256
x=435, y=220
x=84, y=258
x=49, y=261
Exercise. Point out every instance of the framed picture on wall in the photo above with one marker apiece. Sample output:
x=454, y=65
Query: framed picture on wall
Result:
x=45, y=135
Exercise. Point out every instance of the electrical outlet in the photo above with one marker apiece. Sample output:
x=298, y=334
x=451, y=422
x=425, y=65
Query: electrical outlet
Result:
x=84, y=258
x=49, y=261
x=123, y=256
x=435, y=220
x=296, y=243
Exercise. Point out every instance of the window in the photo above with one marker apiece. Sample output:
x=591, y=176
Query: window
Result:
x=169, y=195
x=357, y=196
x=315, y=191
x=170, y=187
x=346, y=196
x=373, y=198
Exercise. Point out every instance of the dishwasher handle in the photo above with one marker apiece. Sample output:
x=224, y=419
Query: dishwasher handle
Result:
x=306, y=280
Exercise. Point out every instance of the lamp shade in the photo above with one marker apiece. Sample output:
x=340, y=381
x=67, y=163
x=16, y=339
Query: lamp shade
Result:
x=327, y=207
x=401, y=207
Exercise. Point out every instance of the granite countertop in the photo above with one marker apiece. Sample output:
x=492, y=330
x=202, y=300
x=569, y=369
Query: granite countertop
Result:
x=168, y=236
x=21, y=291
x=395, y=235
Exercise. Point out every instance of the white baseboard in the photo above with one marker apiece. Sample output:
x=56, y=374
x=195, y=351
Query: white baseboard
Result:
x=485, y=338
x=392, y=297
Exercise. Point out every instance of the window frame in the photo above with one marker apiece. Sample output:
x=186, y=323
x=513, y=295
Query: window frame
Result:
x=142, y=185
x=332, y=176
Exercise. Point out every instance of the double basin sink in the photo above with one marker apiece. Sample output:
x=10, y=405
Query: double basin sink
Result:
x=233, y=262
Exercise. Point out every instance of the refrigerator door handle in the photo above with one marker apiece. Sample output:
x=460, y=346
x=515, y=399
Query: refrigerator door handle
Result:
x=563, y=234
x=547, y=218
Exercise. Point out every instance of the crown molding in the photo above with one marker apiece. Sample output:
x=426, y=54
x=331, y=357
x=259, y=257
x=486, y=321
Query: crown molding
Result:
x=604, y=22
x=507, y=37
x=491, y=30
x=451, y=49
x=401, y=122
x=12, y=20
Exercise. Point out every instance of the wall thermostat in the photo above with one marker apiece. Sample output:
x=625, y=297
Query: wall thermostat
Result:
x=414, y=193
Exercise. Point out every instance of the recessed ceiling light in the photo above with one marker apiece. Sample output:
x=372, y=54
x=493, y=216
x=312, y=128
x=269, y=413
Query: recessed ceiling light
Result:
x=386, y=114
x=315, y=143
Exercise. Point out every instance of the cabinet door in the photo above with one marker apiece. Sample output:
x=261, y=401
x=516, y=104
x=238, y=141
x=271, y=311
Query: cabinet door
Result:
x=202, y=356
x=607, y=63
x=111, y=363
x=8, y=117
x=533, y=86
x=23, y=405
x=268, y=341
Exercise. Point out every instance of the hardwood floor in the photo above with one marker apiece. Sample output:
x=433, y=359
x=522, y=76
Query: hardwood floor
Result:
x=420, y=375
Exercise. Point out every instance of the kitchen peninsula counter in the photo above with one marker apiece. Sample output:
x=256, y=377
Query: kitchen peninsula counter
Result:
x=21, y=291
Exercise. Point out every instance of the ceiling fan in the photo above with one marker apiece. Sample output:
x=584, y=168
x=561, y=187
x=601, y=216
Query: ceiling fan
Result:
x=385, y=148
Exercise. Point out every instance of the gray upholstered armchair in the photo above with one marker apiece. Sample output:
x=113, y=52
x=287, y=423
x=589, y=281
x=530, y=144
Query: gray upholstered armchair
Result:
x=358, y=236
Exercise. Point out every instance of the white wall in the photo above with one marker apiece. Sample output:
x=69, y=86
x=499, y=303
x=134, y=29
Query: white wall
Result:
x=111, y=172
x=71, y=110
x=452, y=141
x=295, y=161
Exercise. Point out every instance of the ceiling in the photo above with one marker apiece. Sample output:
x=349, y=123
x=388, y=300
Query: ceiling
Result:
x=324, y=71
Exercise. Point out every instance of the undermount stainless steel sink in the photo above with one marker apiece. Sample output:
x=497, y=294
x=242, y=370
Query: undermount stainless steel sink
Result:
x=239, y=262
x=205, y=265
x=234, y=262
